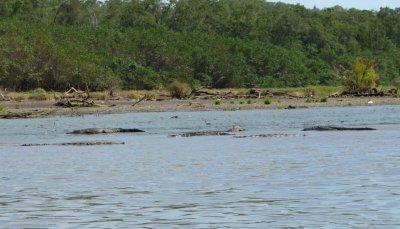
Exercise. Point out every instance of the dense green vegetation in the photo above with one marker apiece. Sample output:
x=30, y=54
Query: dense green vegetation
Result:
x=362, y=78
x=147, y=44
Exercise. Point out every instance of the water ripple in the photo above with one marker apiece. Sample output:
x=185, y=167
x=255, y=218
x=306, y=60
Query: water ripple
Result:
x=324, y=180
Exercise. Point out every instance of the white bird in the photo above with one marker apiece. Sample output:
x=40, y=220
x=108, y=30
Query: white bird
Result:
x=370, y=102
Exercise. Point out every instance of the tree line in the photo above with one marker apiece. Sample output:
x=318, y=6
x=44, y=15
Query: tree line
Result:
x=147, y=44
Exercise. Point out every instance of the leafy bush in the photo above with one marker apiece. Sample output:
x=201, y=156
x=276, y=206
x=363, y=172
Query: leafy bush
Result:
x=179, y=90
x=267, y=101
x=1, y=109
x=324, y=99
x=217, y=102
x=38, y=94
x=362, y=78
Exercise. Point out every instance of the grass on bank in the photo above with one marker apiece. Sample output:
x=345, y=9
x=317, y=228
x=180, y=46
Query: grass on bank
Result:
x=267, y=100
x=311, y=93
x=42, y=95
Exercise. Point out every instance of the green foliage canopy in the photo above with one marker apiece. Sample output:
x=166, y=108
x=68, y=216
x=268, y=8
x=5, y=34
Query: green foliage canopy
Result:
x=147, y=44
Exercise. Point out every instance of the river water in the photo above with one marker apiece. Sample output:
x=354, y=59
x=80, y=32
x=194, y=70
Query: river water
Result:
x=313, y=180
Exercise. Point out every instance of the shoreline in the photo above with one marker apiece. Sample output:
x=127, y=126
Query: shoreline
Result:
x=34, y=109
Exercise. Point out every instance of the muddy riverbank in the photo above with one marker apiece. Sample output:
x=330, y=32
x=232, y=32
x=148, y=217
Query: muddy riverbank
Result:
x=29, y=109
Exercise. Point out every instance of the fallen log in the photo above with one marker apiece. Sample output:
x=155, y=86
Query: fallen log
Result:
x=392, y=91
x=202, y=93
x=105, y=131
x=77, y=144
x=140, y=100
x=2, y=97
x=76, y=99
x=372, y=93
x=73, y=102
x=256, y=93
x=335, y=128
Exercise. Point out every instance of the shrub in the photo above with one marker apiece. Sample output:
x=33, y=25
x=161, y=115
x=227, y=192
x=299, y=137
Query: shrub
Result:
x=19, y=97
x=324, y=99
x=1, y=109
x=179, y=90
x=39, y=91
x=241, y=102
x=217, y=102
x=131, y=94
x=362, y=78
x=151, y=95
x=267, y=101
x=99, y=95
x=38, y=94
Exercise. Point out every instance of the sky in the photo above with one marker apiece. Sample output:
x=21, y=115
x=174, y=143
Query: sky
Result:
x=359, y=4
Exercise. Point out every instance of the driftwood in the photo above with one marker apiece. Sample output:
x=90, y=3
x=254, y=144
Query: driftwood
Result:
x=284, y=94
x=335, y=128
x=392, y=91
x=377, y=94
x=75, y=103
x=372, y=93
x=72, y=89
x=77, y=99
x=2, y=97
x=74, y=93
x=253, y=93
x=209, y=133
x=163, y=98
x=140, y=100
x=202, y=93
x=77, y=144
x=257, y=93
x=104, y=131
x=193, y=92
